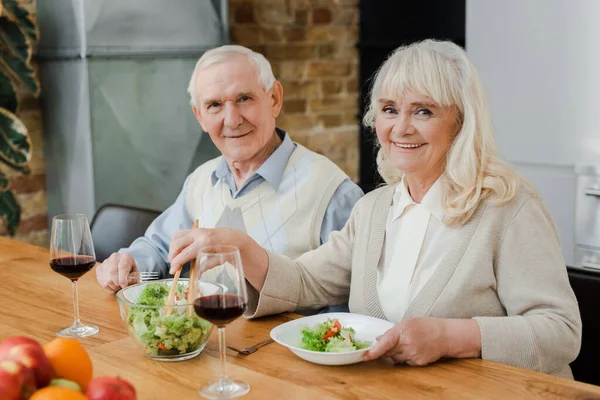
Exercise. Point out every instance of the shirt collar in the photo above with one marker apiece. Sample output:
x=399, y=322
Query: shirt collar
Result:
x=271, y=170
x=432, y=201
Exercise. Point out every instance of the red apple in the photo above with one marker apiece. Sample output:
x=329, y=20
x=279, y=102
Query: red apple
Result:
x=110, y=388
x=29, y=353
x=16, y=381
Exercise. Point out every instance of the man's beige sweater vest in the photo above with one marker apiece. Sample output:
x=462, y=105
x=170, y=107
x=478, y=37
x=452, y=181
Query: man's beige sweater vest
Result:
x=287, y=221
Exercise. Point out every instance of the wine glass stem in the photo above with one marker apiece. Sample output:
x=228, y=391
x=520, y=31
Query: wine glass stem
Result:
x=76, y=322
x=222, y=348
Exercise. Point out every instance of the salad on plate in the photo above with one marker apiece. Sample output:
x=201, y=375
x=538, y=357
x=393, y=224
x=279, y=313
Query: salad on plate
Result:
x=330, y=336
x=180, y=332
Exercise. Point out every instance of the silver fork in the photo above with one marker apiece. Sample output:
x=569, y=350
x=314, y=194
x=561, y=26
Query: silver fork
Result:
x=142, y=276
x=148, y=276
x=251, y=349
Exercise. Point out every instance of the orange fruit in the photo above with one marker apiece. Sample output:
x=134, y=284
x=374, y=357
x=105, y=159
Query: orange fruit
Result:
x=57, y=393
x=70, y=360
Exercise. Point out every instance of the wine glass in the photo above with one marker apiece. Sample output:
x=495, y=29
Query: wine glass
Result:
x=220, y=268
x=72, y=255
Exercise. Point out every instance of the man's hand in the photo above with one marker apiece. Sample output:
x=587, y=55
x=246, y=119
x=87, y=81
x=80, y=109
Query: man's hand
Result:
x=115, y=271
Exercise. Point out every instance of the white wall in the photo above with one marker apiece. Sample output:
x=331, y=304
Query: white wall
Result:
x=540, y=64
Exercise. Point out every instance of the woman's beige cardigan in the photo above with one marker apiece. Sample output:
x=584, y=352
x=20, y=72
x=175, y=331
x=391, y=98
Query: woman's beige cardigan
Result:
x=505, y=270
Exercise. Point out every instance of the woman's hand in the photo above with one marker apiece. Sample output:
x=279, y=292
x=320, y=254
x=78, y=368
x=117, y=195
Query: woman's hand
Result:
x=185, y=245
x=421, y=341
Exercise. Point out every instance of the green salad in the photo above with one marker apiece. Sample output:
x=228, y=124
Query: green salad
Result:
x=330, y=336
x=179, y=333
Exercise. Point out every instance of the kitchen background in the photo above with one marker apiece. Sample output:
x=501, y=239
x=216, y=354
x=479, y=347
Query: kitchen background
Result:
x=116, y=124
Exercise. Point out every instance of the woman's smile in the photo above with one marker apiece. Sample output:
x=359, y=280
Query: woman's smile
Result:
x=408, y=146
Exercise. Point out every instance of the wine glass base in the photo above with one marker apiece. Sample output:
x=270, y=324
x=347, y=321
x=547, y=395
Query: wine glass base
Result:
x=79, y=331
x=223, y=389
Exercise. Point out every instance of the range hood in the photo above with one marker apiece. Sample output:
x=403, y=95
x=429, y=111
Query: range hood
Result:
x=118, y=127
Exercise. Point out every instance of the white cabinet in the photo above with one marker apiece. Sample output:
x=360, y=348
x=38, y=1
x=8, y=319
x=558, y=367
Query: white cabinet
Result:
x=539, y=62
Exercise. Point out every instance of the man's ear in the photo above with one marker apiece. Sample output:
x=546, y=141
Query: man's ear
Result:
x=198, y=115
x=276, y=98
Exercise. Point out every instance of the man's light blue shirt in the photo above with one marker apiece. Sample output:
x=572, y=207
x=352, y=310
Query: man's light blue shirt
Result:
x=151, y=250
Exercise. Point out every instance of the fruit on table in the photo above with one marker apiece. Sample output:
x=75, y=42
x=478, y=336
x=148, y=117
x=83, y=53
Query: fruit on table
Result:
x=29, y=353
x=110, y=388
x=16, y=381
x=65, y=383
x=24, y=363
x=70, y=361
x=57, y=393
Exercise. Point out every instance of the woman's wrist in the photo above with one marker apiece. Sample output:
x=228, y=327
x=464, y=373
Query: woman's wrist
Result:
x=463, y=338
x=258, y=264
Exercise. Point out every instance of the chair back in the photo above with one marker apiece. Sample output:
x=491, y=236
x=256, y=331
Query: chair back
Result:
x=116, y=226
x=586, y=286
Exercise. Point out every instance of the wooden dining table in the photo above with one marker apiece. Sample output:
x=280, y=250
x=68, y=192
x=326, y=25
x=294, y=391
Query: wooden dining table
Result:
x=35, y=302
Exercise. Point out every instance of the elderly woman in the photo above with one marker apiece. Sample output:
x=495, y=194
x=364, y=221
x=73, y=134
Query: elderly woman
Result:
x=457, y=250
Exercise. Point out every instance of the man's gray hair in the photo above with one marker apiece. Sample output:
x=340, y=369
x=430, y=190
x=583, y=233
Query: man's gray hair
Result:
x=225, y=53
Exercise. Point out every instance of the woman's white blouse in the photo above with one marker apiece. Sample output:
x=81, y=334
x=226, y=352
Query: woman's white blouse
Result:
x=415, y=243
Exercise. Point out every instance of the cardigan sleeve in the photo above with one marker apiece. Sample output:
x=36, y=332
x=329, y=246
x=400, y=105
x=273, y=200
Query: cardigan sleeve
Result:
x=542, y=329
x=314, y=280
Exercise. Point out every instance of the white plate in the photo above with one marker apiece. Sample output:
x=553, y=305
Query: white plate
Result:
x=366, y=328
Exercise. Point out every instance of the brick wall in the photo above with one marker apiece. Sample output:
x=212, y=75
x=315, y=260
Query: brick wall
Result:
x=30, y=190
x=311, y=45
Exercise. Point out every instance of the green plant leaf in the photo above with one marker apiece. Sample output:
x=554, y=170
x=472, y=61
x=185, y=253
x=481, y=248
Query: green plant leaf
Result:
x=8, y=97
x=10, y=211
x=15, y=55
x=15, y=143
x=20, y=15
x=4, y=182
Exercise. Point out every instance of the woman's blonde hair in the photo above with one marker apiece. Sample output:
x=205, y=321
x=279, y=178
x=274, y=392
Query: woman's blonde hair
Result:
x=443, y=72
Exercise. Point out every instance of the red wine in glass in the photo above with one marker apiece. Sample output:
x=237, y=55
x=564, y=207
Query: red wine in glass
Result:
x=72, y=255
x=72, y=267
x=220, y=309
x=221, y=268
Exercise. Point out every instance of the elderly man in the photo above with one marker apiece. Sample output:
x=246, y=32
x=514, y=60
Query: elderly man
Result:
x=283, y=195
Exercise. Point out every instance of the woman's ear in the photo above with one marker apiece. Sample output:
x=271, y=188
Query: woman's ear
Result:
x=276, y=98
x=459, y=120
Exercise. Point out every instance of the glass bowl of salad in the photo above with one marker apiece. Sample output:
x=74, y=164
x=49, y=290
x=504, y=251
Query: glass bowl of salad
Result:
x=165, y=333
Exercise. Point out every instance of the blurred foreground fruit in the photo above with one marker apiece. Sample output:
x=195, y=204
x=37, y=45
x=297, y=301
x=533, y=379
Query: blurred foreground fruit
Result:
x=57, y=393
x=110, y=388
x=25, y=365
x=29, y=353
x=65, y=383
x=16, y=381
x=70, y=361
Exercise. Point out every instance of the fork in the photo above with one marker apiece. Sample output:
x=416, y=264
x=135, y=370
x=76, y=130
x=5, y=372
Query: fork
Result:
x=142, y=276
x=148, y=276
x=251, y=349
